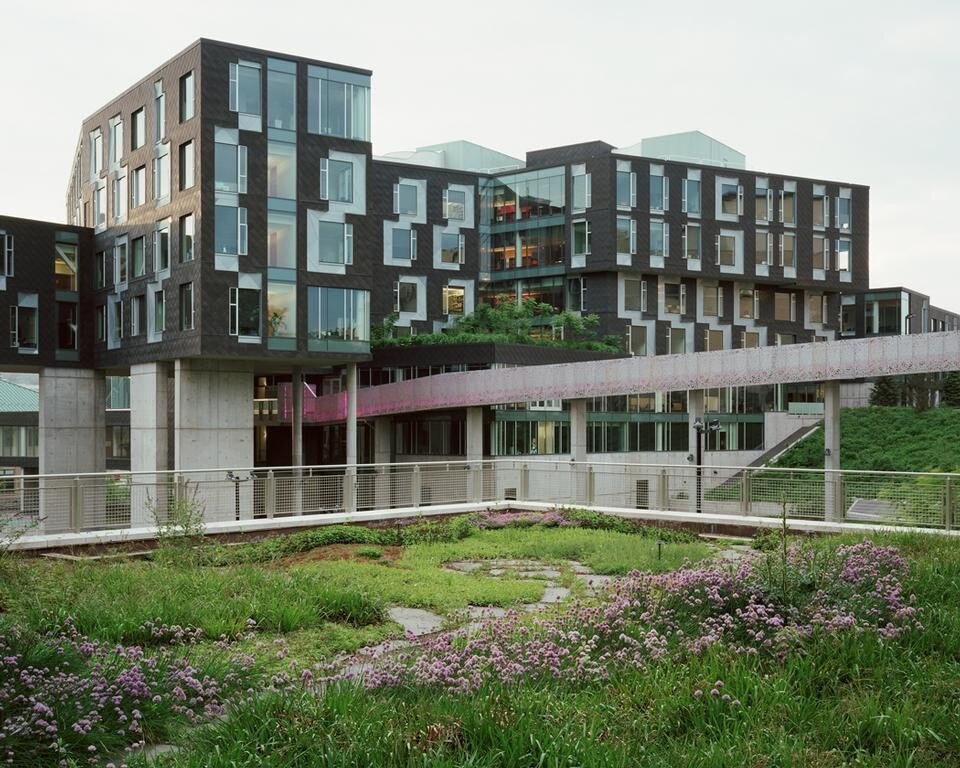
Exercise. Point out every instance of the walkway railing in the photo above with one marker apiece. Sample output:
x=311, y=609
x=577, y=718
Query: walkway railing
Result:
x=51, y=504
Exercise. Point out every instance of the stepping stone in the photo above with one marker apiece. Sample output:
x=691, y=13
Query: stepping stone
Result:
x=554, y=594
x=578, y=567
x=497, y=571
x=464, y=567
x=542, y=573
x=486, y=611
x=415, y=620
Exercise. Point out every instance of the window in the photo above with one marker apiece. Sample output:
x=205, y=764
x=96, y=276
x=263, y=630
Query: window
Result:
x=338, y=103
x=764, y=248
x=626, y=235
x=66, y=325
x=848, y=319
x=96, y=153
x=659, y=239
x=245, y=88
x=138, y=187
x=576, y=294
x=159, y=312
x=581, y=238
x=750, y=339
x=244, y=317
x=187, y=165
x=405, y=199
x=161, y=177
x=784, y=306
x=282, y=95
x=6, y=253
x=187, y=236
x=159, y=112
x=763, y=199
x=336, y=181
x=23, y=326
x=282, y=239
x=117, y=442
x=405, y=296
x=116, y=140
x=186, y=306
x=749, y=305
x=659, y=189
x=138, y=315
x=821, y=207
x=713, y=300
x=626, y=189
x=281, y=170
x=454, y=204
x=100, y=322
x=678, y=341
x=713, y=340
x=65, y=266
x=582, y=192
x=230, y=168
x=119, y=198
x=637, y=340
x=138, y=256
x=788, y=203
x=161, y=246
x=187, y=97
x=820, y=251
x=100, y=205
x=690, y=202
x=282, y=310
x=783, y=339
x=844, y=213
x=675, y=298
x=120, y=265
x=451, y=248
x=116, y=331
x=787, y=249
x=634, y=295
x=335, y=242
x=138, y=129
x=844, y=254
x=405, y=244
x=817, y=307
x=731, y=199
x=230, y=230
x=100, y=269
x=339, y=314
x=726, y=250
x=453, y=296
x=691, y=241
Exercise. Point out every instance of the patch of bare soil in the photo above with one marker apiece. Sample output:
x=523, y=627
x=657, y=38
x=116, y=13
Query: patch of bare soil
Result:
x=339, y=552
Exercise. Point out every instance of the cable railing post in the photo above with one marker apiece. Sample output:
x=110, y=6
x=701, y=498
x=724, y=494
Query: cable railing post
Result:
x=745, y=492
x=663, y=491
x=76, y=505
x=270, y=495
x=415, y=486
x=589, y=485
x=523, y=491
x=350, y=489
x=948, y=505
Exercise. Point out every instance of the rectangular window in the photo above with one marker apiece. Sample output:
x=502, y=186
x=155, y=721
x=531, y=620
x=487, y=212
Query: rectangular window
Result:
x=731, y=196
x=138, y=129
x=659, y=239
x=451, y=248
x=96, y=153
x=844, y=254
x=788, y=203
x=762, y=201
x=138, y=187
x=404, y=244
x=713, y=300
x=576, y=294
x=626, y=189
x=749, y=304
x=230, y=168
x=405, y=296
x=691, y=241
x=820, y=251
x=244, y=317
x=186, y=307
x=335, y=242
x=690, y=203
x=678, y=341
x=821, y=207
x=675, y=298
x=161, y=177
x=750, y=339
x=281, y=170
x=137, y=314
x=454, y=204
x=626, y=235
x=116, y=332
x=65, y=266
x=815, y=302
x=100, y=323
x=6, y=254
x=187, y=97
x=281, y=97
x=100, y=269
x=453, y=296
x=66, y=325
x=713, y=340
x=161, y=246
x=726, y=246
x=120, y=265
x=582, y=192
x=637, y=340
x=159, y=312
x=844, y=215
x=119, y=198
x=785, y=307
x=581, y=238
x=634, y=295
x=100, y=205
x=230, y=230
x=23, y=327
x=282, y=239
x=187, y=165
x=138, y=256
x=116, y=140
x=405, y=199
x=187, y=237
x=340, y=314
x=659, y=191
x=788, y=249
x=336, y=180
x=159, y=112
x=338, y=104
x=764, y=248
x=245, y=88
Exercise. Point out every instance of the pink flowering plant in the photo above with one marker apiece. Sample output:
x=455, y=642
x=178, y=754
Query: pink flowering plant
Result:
x=761, y=606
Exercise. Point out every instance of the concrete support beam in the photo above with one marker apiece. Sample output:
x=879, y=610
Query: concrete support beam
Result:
x=382, y=454
x=695, y=411
x=833, y=504
x=296, y=419
x=474, y=427
x=149, y=440
x=578, y=430
x=351, y=414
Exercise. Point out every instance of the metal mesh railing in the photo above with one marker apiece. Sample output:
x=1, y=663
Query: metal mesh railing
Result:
x=59, y=503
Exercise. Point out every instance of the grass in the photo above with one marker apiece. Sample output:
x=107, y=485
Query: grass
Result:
x=853, y=699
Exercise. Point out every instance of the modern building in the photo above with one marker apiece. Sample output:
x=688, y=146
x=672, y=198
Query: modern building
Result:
x=229, y=231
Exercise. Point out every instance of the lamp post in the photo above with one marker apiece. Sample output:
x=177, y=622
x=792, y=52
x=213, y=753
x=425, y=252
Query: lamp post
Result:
x=236, y=478
x=712, y=426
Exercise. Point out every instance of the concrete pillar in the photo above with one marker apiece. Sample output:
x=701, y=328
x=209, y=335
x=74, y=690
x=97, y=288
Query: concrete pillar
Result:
x=474, y=428
x=382, y=454
x=833, y=505
x=695, y=411
x=578, y=450
x=149, y=393
x=213, y=430
x=350, y=476
x=296, y=417
x=72, y=424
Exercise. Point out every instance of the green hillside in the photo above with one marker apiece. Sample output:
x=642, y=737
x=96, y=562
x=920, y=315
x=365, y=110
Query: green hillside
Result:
x=891, y=439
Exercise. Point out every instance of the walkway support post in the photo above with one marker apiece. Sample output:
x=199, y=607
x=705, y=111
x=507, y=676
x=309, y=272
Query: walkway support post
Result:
x=578, y=449
x=475, y=454
x=350, y=477
x=832, y=503
x=382, y=456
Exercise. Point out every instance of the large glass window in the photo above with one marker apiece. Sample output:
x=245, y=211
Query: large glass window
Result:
x=161, y=246
x=341, y=314
x=226, y=229
x=764, y=248
x=282, y=310
x=691, y=241
x=138, y=129
x=453, y=297
x=120, y=264
x=282, y=100
x=819, y=252
x=187, y=97
x=138, y=187
x=230, y=168
x=405, y=296
x=726, y=250
x=788, y=249
x=762, y=201
x=282, y=170
x=281, y=239
x=66, y=325
x=691, y=196
x=138, y=255
x=186, y=307
x=581, y=238
x=161, y=177
x=455, y=204
x=338, y=104
x=659, y=200
x=749, y=304
x=844, y=213
x=675, y=298
x=712, y=300
x=65, y=266
x=788, y=203
x=626, y=235
x=451, y=248
x=187, y=237
x=244, y=316
x=159, y=112
x=404, y=244
x=336, y=180
x=626, y=189
x=581, y=191
x=335, y=242
x=405, y=199
x=784, y=306
x=245, y=88
x=844, y=254
x=187, y=165
x=528, y=195
x=729, y=199
x=634, y=295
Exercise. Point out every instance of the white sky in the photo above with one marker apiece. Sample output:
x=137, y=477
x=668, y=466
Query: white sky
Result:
x=866, y=91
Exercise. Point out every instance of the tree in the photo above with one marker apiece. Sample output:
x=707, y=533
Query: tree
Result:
x=920, y=391
x=951, y=389
x=886, y=392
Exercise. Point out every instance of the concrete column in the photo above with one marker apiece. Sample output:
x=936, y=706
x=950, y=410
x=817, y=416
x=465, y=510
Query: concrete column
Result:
x=296, y=417
x=694, y=412
x=474, y=427
x=382, y=454
x=351, y=414
x=578, y=450
x=72, y=430
x=833, y=506
x=213, y=430
x=149, y=393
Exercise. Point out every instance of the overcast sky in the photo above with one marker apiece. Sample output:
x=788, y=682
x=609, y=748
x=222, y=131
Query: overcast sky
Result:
x=864, y=91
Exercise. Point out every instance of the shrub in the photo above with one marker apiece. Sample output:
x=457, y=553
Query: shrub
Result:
x=374, y=553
